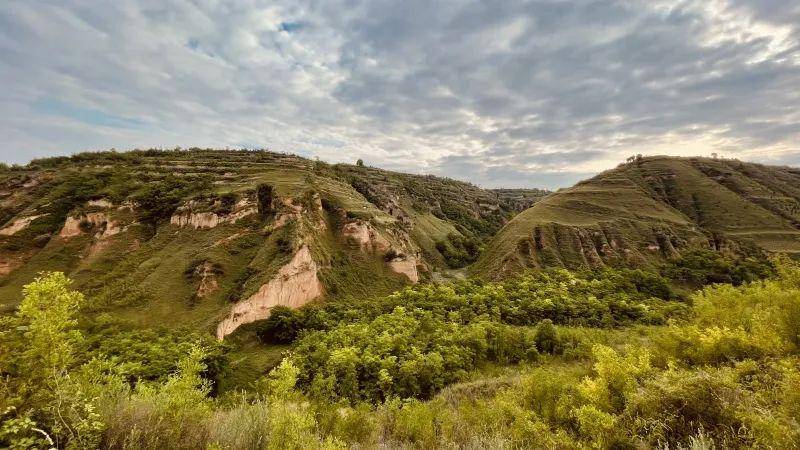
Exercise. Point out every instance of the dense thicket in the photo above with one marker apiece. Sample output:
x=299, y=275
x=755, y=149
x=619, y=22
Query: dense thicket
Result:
x=461, y=365
x=706, y=266
x=601, y=298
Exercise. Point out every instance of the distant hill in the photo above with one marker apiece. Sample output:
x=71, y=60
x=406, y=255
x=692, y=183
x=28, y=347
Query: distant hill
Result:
x=213, y=239
x=649, y=210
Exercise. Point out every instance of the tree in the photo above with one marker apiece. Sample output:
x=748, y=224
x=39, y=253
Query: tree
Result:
x=47, y=314
x=158, y=200
x=264, y=194
x=39, y=355
x=360, y=162
x=546, y=337
x=281, y=327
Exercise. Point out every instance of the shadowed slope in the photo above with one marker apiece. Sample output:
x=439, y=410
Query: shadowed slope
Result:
x=649, y=210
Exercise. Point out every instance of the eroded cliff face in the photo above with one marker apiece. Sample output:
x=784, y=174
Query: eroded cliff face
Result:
x=18, y=225
x=72, y=226
x=622, y=242
x=187, y=218
x=295, y=285
x=370, y=239
x=207, y=273
x=366, y=236
x=406, y=265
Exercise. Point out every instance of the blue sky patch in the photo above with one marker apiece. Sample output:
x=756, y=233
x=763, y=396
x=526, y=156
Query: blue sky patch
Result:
x=290, y=27
x=89, y=116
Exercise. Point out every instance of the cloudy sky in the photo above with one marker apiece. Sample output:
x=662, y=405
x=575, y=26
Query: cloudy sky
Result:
x=500, y=93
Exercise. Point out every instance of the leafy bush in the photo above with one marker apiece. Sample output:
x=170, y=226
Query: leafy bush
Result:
x=458, y=251
x=227, y=202
x=725, y=373
x=44, y=382
x=158, y=200
x=282, y=326
x=705, y=266
x=603, y=299
x=403, y=353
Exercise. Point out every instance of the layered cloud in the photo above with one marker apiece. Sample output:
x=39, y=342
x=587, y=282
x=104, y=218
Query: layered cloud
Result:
x=526, y=93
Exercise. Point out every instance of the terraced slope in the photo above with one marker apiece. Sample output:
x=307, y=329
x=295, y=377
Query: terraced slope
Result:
x=649, y=210
x=212, y=240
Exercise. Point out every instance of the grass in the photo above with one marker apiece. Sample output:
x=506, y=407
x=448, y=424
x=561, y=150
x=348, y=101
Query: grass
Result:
x=638, y=204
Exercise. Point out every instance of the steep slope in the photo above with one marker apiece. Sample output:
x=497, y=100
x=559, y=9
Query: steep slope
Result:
x=651, y=209
x=214, y=239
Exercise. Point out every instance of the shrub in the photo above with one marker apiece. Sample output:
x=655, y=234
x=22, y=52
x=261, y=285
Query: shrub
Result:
x=227, y=202
x=158, y=200
x=172, y=414
x=281, y=327
x=458, y=251
x=673, y=406
x=546, y=338
x=705, y=266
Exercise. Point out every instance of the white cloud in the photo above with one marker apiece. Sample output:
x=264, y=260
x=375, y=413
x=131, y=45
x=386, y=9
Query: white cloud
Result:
x=496, y=92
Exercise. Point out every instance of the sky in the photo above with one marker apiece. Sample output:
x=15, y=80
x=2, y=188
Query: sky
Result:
x=498, y=93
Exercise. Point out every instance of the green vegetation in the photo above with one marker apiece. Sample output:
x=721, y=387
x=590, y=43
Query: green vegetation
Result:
x=607, y=298
x=649, y=211
x=638, y=309
x=146, y=187
x=458, y=251
x=704, y=266
x=158, y=200
x=265, y=194
x=439, y=371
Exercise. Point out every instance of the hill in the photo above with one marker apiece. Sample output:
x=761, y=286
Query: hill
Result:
x=652, y=209
x=213, y=239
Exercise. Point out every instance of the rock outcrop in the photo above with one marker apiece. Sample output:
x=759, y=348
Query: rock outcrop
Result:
x=370, y=239
x=366, y=236
x=100, y=203
x=18, y=225
x=72, y=226
x=290, y=211
x=208, y=279
x=407, y=266
x=295, y=285
x=208, y=219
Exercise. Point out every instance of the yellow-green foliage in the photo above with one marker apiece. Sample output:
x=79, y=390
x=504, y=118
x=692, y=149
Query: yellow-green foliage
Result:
x=727, y=375
x=736, y=323
x=44, y=387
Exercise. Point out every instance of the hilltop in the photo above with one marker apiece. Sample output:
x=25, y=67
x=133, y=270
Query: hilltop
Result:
x=650, y=210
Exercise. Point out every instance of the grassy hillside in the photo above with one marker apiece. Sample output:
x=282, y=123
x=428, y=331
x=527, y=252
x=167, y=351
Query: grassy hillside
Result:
x=650, y=210
x=145, y=232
